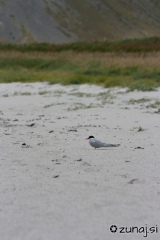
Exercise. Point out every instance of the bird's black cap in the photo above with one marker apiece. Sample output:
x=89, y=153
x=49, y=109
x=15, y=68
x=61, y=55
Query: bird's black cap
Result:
x=90, y=137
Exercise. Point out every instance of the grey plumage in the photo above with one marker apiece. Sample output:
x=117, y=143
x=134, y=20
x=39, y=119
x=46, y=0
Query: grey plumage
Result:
x=97, y=144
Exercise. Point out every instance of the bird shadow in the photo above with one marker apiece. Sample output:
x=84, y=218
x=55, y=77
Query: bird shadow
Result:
x=104, y=149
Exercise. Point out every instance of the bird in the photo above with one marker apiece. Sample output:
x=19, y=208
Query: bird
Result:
x=97, y=144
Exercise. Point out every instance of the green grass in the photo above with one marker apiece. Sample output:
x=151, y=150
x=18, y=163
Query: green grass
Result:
x=156, y=104
x=81, y=106
x=66, y=72
x=158, y=111
x=140, y=101
x=129, y=45
x=41, y=62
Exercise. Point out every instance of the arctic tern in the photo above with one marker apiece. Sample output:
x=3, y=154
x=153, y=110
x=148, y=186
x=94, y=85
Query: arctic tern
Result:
x=97, y=144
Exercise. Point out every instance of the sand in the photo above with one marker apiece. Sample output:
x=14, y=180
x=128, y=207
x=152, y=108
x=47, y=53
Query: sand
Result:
x=54, y=185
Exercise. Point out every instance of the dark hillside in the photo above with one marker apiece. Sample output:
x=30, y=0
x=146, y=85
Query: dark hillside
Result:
x=62, y=21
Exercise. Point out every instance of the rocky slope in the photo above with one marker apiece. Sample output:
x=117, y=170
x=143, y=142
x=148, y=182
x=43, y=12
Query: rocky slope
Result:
x=62, y=21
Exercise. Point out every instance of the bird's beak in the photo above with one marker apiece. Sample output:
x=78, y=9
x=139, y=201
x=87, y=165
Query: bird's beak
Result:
x=86, y=138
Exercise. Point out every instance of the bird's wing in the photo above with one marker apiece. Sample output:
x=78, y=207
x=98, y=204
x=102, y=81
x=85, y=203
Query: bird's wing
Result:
x=111, y=145
x=99, y=144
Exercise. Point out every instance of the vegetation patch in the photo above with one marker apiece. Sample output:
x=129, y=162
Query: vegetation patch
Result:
x=140, y=101
x=82, y=106
x=158, y=111
x=129, y=63
x=156, y=104
x=128, y=45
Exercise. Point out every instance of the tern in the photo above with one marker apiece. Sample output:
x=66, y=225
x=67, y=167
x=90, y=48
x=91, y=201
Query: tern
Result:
x=97, y=144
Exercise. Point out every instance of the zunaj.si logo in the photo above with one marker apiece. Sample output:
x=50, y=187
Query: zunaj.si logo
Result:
x=113, y=228
x=145, y=230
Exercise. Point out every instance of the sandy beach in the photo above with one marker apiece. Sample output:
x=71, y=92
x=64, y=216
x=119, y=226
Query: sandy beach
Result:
x=55, y=186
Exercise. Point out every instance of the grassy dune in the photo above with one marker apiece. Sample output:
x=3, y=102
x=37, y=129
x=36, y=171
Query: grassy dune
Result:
x=136, y=70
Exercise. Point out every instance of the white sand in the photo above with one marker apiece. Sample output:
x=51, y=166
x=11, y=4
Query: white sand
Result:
x=56, y=187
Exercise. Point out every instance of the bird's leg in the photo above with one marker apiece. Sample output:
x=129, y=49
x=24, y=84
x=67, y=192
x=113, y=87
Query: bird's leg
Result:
x=95, y=148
